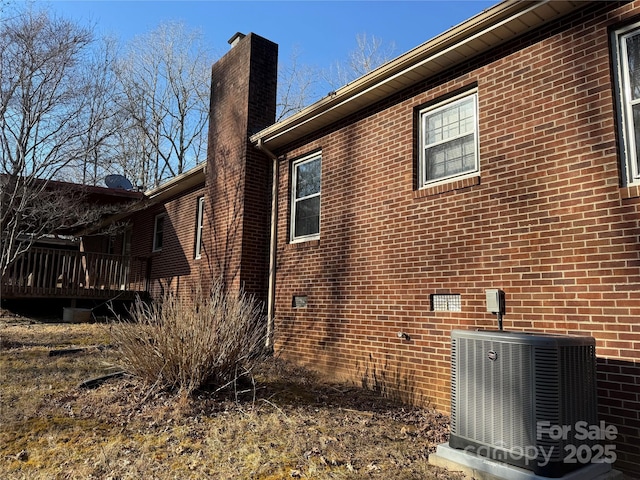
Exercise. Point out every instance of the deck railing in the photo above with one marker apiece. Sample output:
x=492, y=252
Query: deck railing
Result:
x=49, y=272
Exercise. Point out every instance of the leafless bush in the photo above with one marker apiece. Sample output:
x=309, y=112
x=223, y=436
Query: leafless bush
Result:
x=189, y=342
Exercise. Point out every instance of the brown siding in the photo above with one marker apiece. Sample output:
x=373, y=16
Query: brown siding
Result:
x=546, y=221
x=173, y=268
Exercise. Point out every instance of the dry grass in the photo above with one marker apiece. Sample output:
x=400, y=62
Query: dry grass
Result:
x=290, y=425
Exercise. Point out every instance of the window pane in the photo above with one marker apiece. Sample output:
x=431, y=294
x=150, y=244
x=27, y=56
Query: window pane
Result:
x=199, y=226
x=450, y=122
x=629, y=100
x=308, y=178
x=636, y=128
x=159, y=231
x=451, y=158
x=307, y=219
x=633, y=61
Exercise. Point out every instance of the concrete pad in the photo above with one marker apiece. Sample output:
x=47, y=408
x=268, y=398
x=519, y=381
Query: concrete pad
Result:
x=482, y=468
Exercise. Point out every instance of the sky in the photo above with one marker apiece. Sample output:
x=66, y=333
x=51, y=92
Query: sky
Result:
x=322, y=32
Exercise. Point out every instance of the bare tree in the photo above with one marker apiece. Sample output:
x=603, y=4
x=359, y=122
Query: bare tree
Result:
x=299, y=84
x=43, y=125
x=165, y=82
x=102, y=115
x=296, y=86
x=369, y=54
x=131, y=153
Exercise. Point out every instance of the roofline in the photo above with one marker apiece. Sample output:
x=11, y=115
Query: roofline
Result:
x=475, y=32
x=177, y=184
x=85, y=188
x=172, y=187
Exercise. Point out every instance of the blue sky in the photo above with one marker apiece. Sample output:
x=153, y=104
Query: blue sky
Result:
x=323, y=32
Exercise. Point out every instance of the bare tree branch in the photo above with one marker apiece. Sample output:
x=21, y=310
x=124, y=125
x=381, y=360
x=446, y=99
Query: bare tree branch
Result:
x=296, y=84
x=165, y=81
x=299, y=85
x=370, y=53
x=44, y=97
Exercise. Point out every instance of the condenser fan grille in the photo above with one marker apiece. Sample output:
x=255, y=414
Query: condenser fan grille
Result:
x=491, y=396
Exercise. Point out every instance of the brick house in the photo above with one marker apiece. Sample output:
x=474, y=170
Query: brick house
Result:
x=213, y=220
x=500, y=154
x=164, y=230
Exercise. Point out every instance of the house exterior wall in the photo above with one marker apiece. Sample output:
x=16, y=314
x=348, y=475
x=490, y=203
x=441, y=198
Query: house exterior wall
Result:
x=546, y=220
x=174, y=268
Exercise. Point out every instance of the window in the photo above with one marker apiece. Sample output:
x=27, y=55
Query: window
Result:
x=199, y=223
x=627, y=59
x=111, y=244
x=126, y=242
x=158, y=232
x=448, y=139
x=305, y=198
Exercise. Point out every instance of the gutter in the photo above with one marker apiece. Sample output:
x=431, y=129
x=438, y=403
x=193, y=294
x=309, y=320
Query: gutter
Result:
x=363, y=90
x=272, y=244
x=177, y=184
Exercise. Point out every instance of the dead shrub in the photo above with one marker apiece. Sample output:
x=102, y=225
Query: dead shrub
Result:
x=187, y=342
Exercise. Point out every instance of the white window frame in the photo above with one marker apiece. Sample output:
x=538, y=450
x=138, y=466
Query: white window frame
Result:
x=630, y=163
x=294, y=200
x=156, y=247
x=425, y=182
x=199, y=227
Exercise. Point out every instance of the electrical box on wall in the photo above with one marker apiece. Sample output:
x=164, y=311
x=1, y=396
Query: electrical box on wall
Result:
x=495, y=301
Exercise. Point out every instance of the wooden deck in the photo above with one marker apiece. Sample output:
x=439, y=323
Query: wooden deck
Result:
x=57, y=273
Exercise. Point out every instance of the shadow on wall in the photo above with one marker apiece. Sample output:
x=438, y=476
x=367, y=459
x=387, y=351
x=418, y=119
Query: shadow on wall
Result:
x=170, y=267
x=618, y=395
x=224, y=208
x=392, y=382
x=382, y=376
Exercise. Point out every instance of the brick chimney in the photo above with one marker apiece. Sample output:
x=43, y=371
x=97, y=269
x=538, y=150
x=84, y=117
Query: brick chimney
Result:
x=238, y=183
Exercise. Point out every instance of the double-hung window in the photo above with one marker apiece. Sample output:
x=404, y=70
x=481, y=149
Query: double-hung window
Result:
x=158, y=232
x=199, y=225
x=627, y=62
x=449, y=139
x=305, y=198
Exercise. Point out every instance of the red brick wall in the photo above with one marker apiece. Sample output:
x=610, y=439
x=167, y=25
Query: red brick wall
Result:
x=546, y=221
x=173, y=268
x=238, y=177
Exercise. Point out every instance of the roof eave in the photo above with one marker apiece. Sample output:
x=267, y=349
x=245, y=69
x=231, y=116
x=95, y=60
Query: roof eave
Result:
x=171, y=188
x=177, y=185
x=488, y=29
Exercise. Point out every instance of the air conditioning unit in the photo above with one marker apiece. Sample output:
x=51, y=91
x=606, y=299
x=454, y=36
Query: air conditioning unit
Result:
x=525, y=399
